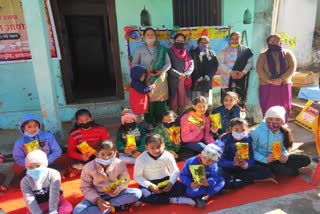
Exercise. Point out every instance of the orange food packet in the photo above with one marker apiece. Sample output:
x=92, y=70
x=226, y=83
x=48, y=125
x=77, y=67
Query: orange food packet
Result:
x=276, y=149
x=243, y=150
x=84, y=148
x=31, y=146
x=131, y=141
x=196, y=120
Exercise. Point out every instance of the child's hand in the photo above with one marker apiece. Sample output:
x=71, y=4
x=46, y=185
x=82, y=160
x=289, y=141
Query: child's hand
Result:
x=236, y=160
x=154, y=188
x=175, y=155
x=283, y=159
x=270, y=158
x=112, y=191
x=102, y=204
x=128, y=151
x=86, y=156
x=177, y=141
x=204, y=182
x=244, y=164
x=194, y=185
x=168, y=187
x=214, y=129
x=135, y=154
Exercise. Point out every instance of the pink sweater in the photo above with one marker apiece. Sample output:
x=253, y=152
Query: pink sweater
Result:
x=190, y=133
x=94, y=178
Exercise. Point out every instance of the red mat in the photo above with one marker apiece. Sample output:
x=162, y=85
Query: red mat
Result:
x=12, y=201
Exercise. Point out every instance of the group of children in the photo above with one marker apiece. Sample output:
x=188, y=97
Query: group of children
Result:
x=218, y=157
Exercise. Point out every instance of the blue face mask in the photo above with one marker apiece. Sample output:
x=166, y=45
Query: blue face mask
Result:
x=105, y=162
x=202, y=48
x=27, y=134
x=36, y=173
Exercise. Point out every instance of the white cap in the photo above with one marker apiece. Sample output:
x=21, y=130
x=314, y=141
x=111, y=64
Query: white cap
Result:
x=277, y=112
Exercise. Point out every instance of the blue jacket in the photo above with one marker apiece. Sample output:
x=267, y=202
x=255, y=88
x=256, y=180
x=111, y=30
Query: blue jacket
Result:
x=230, y=151
x=226, y=116
x=135, y=74
x=185, y=174
x=47, y=142
x=262, y=138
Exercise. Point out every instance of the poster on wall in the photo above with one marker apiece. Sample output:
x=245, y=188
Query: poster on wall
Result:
x=14, y=44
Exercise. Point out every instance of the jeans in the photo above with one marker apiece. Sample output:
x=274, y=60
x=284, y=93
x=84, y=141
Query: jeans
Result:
x=198, y=147
x=215, y=185
x=125, y=197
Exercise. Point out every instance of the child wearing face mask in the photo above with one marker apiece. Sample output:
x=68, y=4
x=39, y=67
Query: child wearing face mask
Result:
x=239, y=169
x=129, y=127
x=228, y=110
x=33, y=138
x=270, y=131
x=100, y=173
x=155, y=166
x=41, y=187
x=84, y=130
x=210, y=183
x=195, y=126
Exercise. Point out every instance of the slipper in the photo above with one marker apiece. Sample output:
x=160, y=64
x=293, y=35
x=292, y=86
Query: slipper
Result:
x=3, y=188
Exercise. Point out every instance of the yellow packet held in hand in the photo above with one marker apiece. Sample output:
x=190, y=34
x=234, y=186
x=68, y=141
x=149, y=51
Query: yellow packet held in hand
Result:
x=216, y=120
x=84, y=148
x=243, y=150
x=276, y=149
x=174, y=133
x=163, y=184
x=131, y=141
x=196, y=120
x=31, y=146
x=197, y=172
x=115, y=184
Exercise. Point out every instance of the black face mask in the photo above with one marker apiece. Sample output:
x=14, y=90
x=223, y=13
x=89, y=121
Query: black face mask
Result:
x=178, y=45
x=168, y=125
x=85, y=125
x=128, y=126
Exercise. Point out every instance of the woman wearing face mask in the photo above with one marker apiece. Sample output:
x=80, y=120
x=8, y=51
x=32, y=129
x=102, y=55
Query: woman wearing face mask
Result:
x=239, y=169
x=97, y=177
x=235, y=62
x=271, y=140
x=154, y=58
x=84, y=130
x=275, y=68
x=205, y=67
x=132, y=131
x=179, y=76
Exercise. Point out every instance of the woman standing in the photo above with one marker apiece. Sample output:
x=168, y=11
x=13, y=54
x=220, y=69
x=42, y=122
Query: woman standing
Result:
x=275, y=68
x=179, y=78
x=155, y=59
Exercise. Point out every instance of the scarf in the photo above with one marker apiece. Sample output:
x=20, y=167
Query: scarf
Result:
x=158, y=63
x=270, y=61
x=183, y=55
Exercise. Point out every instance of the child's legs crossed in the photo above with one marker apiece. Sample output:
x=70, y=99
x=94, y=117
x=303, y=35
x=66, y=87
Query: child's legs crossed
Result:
x=86, y=206
x=198, y=147
x=215, y=185
x=177, y=190
x=126, y=196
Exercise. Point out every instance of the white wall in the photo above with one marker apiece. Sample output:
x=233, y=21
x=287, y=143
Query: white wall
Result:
x=297, y=18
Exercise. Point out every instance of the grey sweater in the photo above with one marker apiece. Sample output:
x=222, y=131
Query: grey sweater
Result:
x=50, y=187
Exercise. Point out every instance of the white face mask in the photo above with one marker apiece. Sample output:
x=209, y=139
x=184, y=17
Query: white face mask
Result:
x=25, y=133
x=105, y=162
x=150, y=41
x=239, y=136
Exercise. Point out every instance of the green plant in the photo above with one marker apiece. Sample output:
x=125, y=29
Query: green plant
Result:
x=291, y=41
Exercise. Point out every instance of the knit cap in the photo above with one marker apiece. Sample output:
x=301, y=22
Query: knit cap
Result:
x=212, y=152
x=127, y=115
x=277, y=112
x=37, y=156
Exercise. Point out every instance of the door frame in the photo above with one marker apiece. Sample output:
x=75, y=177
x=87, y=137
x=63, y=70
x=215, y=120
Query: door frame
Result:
x=65, y=62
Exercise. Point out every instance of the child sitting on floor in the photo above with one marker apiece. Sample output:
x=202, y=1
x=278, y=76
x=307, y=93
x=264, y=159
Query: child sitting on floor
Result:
x=156, y=172
x=41, y=187
x=205, y=182
x=98, y=186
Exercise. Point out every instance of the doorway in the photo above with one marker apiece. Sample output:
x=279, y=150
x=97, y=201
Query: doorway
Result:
x=90, y=62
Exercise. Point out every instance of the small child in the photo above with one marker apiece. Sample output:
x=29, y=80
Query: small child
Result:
x=41, y=187
x=239, y=169
x=154, y=167
x=5, y=179
x=100, y=173
x=211, y=182
x=129, y=127
x=84, y=130
x=227, y=111
x=195, y=126
x=172, y=145
x=267, y=135
x=33, y=138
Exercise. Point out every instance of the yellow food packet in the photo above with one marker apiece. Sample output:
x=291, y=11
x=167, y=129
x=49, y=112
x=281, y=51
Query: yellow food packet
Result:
x=276, y=149
x=84, y=148
x=31, y=146
x=197, y=172
x=216, y=120
x=116, y=183
x=163, y=184
x=174, y=133
x=196, y=120
x=243, y=150
x=131, y=141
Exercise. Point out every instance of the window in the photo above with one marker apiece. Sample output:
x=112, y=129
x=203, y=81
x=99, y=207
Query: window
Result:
x=190, y=13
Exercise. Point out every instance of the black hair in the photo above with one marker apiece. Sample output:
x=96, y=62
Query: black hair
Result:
x=238, y=121
x=203, y=38
x=169, y=113
x=79, y=113
x=149, y=28
x=287, y=136
x=195, y=101
x=180, y=34
x=153, y=138
x=235, y=33
x=107, y=144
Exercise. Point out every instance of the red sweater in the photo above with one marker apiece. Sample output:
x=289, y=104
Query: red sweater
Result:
x=92, y=136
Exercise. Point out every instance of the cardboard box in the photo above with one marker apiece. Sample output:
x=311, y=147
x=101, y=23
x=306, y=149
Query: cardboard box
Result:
x=304, y=78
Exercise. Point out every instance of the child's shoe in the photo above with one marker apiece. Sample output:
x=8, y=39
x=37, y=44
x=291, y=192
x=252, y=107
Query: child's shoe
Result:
x=182, y=200
x=201, y=204
x=123, y=207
